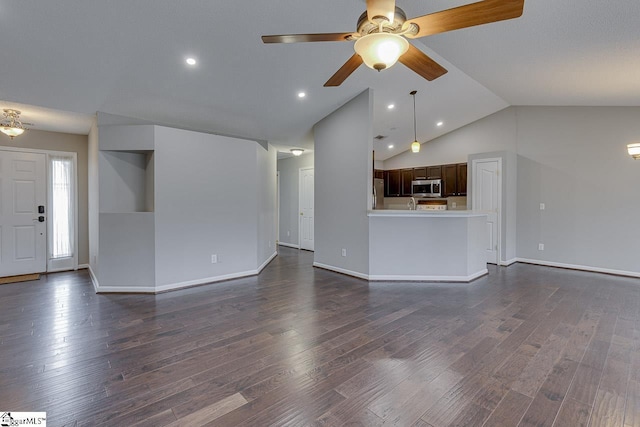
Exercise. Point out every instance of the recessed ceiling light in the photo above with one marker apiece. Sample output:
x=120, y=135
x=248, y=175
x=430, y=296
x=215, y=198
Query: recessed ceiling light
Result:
x=390, y=146
x=301, y=95
x=391, y=106
x=439, y=124
x=191, y=61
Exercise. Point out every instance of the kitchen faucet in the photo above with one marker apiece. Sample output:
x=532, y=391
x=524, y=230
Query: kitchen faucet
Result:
x=412, y=204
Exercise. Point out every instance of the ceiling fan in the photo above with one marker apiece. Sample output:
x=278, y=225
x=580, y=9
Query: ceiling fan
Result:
x=383, y=30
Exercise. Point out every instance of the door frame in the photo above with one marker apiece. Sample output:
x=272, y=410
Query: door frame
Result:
x=475, y=193
x=48, y=154
x=277, y=209
x=300, y=205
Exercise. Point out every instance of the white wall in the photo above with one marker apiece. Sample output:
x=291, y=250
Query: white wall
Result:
x=94, y=200
x=123, y=187
x=211, y=195
x=574, y=160
x=343, y=176
x=205, y=203
x=289, y=170
x=266, y=161
x=496, y=132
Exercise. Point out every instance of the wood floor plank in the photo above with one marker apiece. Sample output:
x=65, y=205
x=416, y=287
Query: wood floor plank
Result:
x=212, y=412
x=509, y=411
x=573, y=414
x=297, y=345
x=546, y=404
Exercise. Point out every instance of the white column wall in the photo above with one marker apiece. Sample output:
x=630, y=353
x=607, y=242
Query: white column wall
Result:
x=343, y=176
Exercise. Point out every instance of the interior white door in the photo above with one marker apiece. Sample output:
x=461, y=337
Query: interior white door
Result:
x=486, y=197
x=306, y=209
x=23, y=239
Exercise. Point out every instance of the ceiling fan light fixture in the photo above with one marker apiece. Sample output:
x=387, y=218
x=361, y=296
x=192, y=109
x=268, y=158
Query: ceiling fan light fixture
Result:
x=12, y=132
x=380, y=51
x=297, y=151
x=634, y=150
x=11, y=125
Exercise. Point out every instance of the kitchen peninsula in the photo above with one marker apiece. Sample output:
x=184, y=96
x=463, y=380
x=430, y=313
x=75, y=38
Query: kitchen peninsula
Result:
x=427, y=245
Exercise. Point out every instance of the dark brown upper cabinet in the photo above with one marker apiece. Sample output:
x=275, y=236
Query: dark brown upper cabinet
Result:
x=454, y=180
x=392, y=183
x=419, y=173
x=434, y=172
x=406, y=176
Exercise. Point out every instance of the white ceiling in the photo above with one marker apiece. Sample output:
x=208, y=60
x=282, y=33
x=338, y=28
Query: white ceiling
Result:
x=65, y=60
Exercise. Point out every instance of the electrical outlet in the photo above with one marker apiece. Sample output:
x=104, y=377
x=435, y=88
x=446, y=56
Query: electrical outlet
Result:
x=288, y=233
x=541, y=246
x=542, y=206
x=214, y=259
x=454, y=205
x=344, y=252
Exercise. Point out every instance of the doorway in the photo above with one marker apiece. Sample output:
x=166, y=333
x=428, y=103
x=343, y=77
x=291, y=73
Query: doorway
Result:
x=38, y=206
x=23, y=200
x=487, y=197
x=306, y=195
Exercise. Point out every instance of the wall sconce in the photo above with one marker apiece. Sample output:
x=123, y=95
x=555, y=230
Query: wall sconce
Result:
x=634, y=150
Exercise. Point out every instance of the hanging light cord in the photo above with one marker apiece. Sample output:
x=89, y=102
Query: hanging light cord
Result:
x=415, y=132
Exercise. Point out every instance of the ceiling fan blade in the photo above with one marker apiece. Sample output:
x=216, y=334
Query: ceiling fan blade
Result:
x=385, y=8
x=345, y=71
x=301, y=38
x=419, y=62
x=482, y=12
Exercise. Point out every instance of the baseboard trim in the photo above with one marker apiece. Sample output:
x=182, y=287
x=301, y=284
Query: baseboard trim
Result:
x=82, y=266
x=579, y=267
x=341, y=270
x=289, y=245
x=402, y=278
x=94, y=280
x=266, y=262
x=508, y=262
x=181, y=285
x=415, y=278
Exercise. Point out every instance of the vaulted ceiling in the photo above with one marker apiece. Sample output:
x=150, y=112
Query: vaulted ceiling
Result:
x=64, y=60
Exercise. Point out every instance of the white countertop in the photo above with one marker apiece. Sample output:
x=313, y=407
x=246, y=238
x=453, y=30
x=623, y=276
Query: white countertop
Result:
x=424, y=214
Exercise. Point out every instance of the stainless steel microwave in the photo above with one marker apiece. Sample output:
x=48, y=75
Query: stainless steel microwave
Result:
x=426, y=188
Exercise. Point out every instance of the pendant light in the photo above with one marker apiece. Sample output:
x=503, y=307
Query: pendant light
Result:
x=415, y=145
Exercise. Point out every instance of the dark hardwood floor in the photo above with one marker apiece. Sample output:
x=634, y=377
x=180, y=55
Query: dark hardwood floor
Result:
x=524, y=346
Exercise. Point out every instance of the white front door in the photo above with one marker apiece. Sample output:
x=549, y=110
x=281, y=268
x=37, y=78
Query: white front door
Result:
x=23, y=240
x=306, y=209
x=486, y=198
